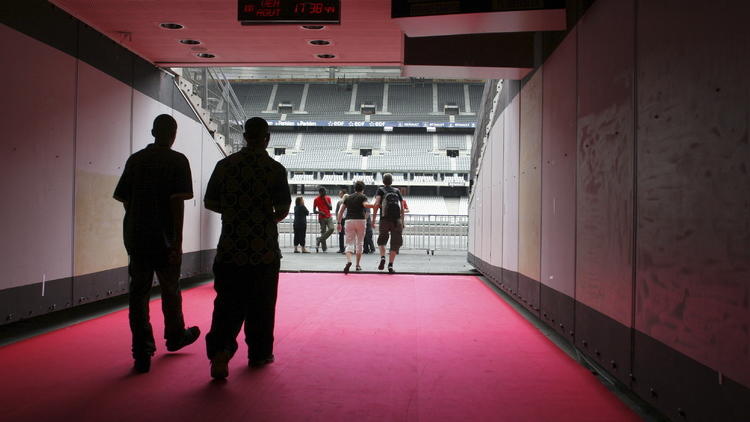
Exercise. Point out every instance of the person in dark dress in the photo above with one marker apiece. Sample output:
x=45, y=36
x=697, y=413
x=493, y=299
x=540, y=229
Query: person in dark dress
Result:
x=300, y=224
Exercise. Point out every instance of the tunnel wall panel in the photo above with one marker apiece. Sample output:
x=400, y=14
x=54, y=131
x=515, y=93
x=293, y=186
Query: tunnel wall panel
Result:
x=693, y=247
x=510, y=194
x=102, y=147
x=143, y=120
x=36, y=166
x=487, y=206
x=472, y=225
x=188, y=142
x=559, y=187
x=606, y=160
x=529, y=188
x=496, y=182
x=210, y=221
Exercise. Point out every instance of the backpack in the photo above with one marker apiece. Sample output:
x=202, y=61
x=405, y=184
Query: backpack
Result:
x=392, y=207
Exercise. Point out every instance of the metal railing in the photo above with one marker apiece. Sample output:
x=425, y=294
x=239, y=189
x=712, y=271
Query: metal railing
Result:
x=428, y=232
x=216, y=95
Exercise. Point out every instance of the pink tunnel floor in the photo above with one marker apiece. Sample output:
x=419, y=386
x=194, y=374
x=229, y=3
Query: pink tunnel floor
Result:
x=363, y=347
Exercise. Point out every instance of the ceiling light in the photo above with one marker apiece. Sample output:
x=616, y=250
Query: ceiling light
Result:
x=313, y=27
x=320, y=42
x=205, y=55
x=326, y=56
x=190, y=42
x=171, y=25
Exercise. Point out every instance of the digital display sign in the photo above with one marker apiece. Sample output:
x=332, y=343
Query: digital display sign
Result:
x=261, y=12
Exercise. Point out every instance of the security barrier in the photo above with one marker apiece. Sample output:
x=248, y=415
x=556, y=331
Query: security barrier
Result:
x=428, y=232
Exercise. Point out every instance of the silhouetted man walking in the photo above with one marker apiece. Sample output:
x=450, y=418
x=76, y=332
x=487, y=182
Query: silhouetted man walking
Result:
x=250, y=191
x=153, y=187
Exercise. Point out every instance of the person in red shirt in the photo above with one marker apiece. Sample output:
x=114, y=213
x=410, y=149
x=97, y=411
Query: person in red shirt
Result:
x=322, y=206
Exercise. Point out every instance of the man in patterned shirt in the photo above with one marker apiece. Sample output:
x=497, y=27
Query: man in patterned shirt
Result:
x=250, y=191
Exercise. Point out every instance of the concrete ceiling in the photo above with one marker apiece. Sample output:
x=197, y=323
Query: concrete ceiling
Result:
x=367, y=36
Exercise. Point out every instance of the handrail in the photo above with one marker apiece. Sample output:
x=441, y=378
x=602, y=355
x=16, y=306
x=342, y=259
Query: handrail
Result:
x=230, y=97
x=200, y=117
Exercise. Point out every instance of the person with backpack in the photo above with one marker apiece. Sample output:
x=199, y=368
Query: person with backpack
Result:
x=391, y=205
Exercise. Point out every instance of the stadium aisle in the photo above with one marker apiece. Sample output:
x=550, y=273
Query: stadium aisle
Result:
x=357, y=348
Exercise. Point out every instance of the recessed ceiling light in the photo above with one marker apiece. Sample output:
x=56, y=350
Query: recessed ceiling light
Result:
x=326, y=56
x=320, y=42
x=313, y=27
x=190, y=42
x=205, y=55
x=171, y=26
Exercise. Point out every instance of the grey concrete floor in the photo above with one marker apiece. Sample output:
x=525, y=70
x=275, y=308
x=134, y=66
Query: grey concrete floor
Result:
x=407, y=262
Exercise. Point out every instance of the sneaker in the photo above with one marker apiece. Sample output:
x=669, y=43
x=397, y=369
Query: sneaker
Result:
x=257, y=363
x=142, y=364
x=382, y=263
x=220, y=365
x=390, y=269
x=358, y=268
x=346, y=267
x=296, y=251
x=304, y=250
x=188, y=337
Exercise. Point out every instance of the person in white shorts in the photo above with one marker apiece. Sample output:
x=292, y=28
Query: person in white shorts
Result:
x=354, y=206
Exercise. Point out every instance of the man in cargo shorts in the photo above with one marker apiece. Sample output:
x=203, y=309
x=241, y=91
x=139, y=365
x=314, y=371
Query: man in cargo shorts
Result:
x=391, y=205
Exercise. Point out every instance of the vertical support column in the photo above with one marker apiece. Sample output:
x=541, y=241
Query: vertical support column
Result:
x=271, y=99
x=353, y=102
x=384, y=109
x=304, y=98
x=434, y=98
x=467, y=99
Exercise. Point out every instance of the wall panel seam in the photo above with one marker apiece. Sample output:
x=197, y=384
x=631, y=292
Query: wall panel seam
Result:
x=75, y=166
x=575, y=189
x=634, y=248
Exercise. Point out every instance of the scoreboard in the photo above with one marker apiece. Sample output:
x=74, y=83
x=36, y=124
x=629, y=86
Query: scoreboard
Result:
x=262, y=12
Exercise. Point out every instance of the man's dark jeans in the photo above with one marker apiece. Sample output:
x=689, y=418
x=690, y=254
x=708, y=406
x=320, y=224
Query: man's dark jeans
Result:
x=141, y=270
x=244, y=294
